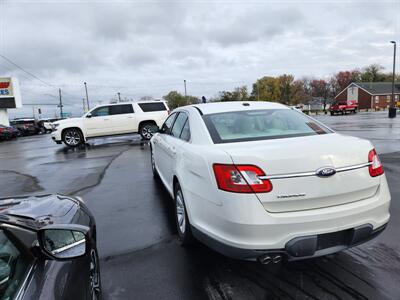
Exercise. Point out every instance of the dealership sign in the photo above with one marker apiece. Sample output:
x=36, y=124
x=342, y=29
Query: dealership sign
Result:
x=10, y=96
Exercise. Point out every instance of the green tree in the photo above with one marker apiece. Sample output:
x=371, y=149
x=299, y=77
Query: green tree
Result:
x=238, y=94
x=267, y=89
x=175, y=99
x=285, y=86
x=372, y=73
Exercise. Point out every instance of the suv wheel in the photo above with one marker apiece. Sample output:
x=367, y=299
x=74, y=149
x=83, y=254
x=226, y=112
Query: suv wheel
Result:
x=146, y=131
x=72, y=137
x=182, y=220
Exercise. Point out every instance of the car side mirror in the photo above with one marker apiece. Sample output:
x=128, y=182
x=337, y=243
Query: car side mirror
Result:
x=154, y=129
x=89, y=115
x=64, y=242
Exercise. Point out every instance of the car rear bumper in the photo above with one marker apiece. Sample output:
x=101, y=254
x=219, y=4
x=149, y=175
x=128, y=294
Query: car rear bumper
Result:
x=241, y=223
x=299, y=248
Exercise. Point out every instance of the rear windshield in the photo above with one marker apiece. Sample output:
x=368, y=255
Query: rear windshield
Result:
x=253, y=125
x=154, y=106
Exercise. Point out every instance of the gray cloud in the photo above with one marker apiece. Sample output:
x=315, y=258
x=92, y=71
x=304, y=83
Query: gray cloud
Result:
x=148, y=48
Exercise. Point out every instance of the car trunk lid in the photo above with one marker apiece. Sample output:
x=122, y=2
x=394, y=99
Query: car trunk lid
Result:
x=291, y=165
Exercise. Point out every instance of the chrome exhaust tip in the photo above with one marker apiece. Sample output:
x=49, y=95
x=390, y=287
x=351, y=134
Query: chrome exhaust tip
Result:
x=277, y=259
x=264, y=259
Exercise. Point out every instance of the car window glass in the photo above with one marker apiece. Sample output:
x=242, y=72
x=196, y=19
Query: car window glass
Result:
x=100, y=112
x=154, y=106
x=178, y=125
x=166, y=128
x=252, y=125
x=185, y=134
x=121, y=109
x=13, y=266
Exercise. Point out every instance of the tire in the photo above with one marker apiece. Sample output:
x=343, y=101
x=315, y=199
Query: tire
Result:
x=95, y=278
x=153, y=165
x=182, y=221
x=72, y=137
x=332, y=113
x=146, y=131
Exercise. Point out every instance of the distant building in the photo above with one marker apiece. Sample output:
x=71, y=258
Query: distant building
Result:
x=370, y=95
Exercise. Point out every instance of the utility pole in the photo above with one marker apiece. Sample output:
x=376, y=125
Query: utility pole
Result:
x=184, y=83
x=119, y=97
x=60, y=105
x=392, y=108
x=87, y=97
x=83, y=105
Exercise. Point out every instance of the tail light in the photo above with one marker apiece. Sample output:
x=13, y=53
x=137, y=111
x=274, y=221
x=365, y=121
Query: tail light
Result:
x=241, y=179
x=375, y=168
x=1, y=129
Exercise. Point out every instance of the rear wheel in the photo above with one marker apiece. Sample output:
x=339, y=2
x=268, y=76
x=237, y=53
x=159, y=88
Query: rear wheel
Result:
x=182, y=220
x=72, y=137
x=146, y=130
x=153, y=165
x=95, y=280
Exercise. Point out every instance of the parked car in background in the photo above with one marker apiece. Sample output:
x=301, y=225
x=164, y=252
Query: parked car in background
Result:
x=14, y=131
x=111, y=119
x=5, y=133
x=26, y=126
x=258, y=180
x=48, y=249
x=46, y=124
x=343, y=107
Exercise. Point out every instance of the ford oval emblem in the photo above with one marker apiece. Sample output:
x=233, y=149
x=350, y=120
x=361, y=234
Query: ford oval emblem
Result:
x=325, y=172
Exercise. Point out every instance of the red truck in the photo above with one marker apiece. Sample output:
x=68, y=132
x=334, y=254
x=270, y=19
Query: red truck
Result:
x=342, y=107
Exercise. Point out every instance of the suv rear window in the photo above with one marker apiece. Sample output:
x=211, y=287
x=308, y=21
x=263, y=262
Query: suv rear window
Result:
x=154, y=106
x=253, y=125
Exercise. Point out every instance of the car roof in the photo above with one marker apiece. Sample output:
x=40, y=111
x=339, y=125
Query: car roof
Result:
x=35, y=212
x=229, y=106
x=131, y=102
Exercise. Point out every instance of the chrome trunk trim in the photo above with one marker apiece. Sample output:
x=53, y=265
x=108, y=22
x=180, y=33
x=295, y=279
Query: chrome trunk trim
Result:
x=313, y=173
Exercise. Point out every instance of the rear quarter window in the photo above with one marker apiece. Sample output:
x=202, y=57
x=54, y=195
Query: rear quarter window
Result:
x=154, y=106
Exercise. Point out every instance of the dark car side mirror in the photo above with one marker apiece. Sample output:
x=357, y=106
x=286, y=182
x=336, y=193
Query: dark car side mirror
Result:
x=64, y=242
x=89, y=115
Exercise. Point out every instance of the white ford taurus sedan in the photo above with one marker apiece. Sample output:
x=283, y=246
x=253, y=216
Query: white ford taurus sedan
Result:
x=259, y=180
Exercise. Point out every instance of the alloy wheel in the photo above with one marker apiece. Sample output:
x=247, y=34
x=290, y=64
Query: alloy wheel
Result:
x=180, y=212
x=153, y=163
x=146, y=132
x=72, y=138
x=94, y=276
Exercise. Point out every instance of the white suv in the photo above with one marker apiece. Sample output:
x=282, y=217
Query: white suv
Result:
x=111, y=119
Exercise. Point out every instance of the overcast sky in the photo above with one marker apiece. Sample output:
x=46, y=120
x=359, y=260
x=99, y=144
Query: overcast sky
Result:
x=147, y=48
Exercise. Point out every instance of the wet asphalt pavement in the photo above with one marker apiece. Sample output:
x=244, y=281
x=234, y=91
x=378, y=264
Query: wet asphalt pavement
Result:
x=136, y=232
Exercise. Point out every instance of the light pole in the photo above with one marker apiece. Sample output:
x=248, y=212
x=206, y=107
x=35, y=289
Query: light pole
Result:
x=119, y=97
x=87, y=97
x=392, y=108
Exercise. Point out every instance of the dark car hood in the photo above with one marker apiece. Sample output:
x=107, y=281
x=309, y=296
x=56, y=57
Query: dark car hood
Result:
x=37, y=210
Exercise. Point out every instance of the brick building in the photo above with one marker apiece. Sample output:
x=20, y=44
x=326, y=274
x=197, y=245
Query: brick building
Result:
x=370, y=94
